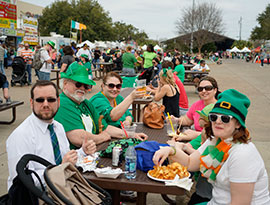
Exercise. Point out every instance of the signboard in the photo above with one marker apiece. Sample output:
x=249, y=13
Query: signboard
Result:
x=30, y=27
x=8, y=15
x=30, y=40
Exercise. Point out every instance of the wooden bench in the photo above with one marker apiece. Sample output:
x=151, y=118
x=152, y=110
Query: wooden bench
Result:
x=189, y=76
x=12, y=106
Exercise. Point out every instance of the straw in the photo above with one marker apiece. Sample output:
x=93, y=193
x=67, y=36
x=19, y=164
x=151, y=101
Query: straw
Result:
x=170, y=121
x=124, y=129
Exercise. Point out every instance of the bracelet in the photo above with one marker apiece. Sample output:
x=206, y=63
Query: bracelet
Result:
x=174, y=150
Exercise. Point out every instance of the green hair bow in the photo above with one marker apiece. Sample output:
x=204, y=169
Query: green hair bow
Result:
x=165, y=71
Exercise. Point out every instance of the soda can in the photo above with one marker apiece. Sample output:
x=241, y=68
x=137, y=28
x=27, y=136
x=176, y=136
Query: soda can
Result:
x=116, y=155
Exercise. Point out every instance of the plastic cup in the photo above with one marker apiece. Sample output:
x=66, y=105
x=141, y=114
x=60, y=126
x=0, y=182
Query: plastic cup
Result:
x=131, y=130
x=170, y=132
x=141, y=85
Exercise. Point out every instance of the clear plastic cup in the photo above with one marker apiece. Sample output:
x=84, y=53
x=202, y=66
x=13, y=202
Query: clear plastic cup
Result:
x=131, y=130
x=170, y=131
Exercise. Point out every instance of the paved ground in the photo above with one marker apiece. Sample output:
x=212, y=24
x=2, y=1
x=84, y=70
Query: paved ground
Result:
x=248, y=78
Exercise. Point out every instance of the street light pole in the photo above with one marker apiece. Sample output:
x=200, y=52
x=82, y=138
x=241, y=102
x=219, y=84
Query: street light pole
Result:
x=240, y=25
x=192, y=27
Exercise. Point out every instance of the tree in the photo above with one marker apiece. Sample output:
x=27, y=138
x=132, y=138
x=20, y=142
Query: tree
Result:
x=242, y=44
x=203, y=17
x=262, y=32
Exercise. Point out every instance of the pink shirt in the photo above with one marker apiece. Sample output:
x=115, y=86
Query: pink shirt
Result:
x=193, y=115
x=183, y=99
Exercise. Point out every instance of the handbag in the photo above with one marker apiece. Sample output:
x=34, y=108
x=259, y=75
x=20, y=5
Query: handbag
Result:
x=153, y=115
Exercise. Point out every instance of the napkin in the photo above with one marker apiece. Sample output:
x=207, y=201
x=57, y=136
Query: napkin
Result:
x=185, y=183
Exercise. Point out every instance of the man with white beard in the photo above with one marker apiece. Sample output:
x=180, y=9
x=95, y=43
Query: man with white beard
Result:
x=78, y=116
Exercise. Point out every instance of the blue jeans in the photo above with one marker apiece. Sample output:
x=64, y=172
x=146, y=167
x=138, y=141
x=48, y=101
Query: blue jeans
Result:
x=2, y=69
x=44, y=76
x=95, y=61
x=29, y=71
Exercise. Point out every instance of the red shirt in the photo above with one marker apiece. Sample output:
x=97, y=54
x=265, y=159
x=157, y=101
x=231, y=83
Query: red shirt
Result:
x=183, y=99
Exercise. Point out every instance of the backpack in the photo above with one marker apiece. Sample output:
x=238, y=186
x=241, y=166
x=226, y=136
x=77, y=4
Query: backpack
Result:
x=37, y=63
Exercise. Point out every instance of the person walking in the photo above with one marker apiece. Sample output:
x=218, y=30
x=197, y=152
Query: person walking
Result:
x=27, y=55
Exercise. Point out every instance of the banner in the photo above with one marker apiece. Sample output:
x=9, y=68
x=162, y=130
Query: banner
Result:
x=77, y=25
x=8, y=15
x=73, y=36
x=30, y=27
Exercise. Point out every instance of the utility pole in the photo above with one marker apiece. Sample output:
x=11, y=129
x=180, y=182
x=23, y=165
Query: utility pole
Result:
x=240, y=29
x=192, y=27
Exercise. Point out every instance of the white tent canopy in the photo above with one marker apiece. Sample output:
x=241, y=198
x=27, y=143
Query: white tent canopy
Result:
x=245, y=50
x=235, y=49
x=91, y=45
x=157, y=47
x=144, y=47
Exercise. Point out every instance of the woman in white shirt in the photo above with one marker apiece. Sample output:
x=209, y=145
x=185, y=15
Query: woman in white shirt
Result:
x=227, y=158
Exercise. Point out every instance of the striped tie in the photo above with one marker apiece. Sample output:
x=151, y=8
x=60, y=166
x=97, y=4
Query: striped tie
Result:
x=55, y=144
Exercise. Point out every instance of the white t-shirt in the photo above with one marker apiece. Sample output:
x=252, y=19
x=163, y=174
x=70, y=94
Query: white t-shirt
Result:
x=244, y=165
x=44, y=55
x=86, y=52
x=198, y=67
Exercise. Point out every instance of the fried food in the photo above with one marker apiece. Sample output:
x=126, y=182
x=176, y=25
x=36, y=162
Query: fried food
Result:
x=169, y=172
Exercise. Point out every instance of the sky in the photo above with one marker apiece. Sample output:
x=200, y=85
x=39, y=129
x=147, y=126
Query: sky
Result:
x=157, y=17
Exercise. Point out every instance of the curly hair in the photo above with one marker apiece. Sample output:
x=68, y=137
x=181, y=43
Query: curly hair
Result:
x=240, y=135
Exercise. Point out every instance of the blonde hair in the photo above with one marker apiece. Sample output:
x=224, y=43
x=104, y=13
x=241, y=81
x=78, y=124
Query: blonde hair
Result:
x=169, y=78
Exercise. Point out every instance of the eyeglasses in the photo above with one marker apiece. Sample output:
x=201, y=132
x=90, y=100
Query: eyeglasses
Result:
x=154, y=62
x=207, y=88
x=224, y=118
x=49, y=100
x=112, y=86
x=78, y=85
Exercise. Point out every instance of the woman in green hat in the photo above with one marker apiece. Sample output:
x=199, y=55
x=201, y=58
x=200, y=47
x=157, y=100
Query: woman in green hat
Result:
x=86, y=63
x=228, y=158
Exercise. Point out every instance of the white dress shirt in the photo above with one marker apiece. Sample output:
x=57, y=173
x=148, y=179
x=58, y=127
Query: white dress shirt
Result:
x=33, y=137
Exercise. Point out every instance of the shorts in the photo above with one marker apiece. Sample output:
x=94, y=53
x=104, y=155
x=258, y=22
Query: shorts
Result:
x=5, y=85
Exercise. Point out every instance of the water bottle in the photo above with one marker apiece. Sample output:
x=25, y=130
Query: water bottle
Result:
x=131, y=163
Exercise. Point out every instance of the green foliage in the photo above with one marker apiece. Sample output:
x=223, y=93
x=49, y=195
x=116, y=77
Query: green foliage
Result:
x=99, y=26
x=240, y=44
x=262, y=32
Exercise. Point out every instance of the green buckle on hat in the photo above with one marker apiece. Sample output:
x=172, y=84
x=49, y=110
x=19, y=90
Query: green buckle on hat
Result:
x=225, y=105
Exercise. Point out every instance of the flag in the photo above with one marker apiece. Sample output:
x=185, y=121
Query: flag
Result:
x=77, y=25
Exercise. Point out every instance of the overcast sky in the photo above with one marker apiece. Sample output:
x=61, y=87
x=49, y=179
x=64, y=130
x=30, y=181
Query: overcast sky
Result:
x=157, y=17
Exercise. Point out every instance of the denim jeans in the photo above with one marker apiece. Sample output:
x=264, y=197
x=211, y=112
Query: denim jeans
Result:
x=44, y=75
x=95, y=61
x=29, y=71
x=2, y=69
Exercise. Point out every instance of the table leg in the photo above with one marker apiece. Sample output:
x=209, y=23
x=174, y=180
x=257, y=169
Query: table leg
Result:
x=57, y=78
x=13, y=118
x=115, y=197
x=134, y=111
x=141, y=198
x=138, y=112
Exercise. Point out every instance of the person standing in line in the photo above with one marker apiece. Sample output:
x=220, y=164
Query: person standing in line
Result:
x=27, y=55
x=96, y=59
x=45, y=55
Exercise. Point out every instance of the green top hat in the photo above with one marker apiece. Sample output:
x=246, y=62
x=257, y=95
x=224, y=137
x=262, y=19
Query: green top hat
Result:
x=51, y=43
x=77, y=73
x=84, y=56
x=231, y=102
x=205, y=111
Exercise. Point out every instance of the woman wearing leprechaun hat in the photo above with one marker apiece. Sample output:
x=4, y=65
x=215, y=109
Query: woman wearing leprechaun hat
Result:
x=228, y=159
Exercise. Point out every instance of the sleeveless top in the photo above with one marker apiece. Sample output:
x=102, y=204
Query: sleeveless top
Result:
x=171, y=103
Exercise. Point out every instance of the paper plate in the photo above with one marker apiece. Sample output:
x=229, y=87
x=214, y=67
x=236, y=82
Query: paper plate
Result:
x=165, y=180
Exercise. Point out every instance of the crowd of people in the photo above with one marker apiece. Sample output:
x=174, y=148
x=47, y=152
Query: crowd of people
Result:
x=228, y=168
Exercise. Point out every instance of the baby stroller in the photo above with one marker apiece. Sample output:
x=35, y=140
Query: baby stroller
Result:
x=18, y=71
x=32, y=193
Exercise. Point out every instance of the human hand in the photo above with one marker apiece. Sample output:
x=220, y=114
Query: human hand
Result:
x=80, y=63
x=148, y=89
x=141, y=136
x=71, y=157
x=190, y=134
x=89, y=146
x=127, y=123
x=162, y=154
x=137, y=94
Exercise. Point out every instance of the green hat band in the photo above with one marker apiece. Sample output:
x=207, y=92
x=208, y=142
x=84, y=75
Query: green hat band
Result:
x=229, y=106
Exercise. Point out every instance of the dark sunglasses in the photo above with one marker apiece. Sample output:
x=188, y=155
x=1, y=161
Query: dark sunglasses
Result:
x=78, y=85
x=207, y=88
x=112, y=86
x=49, y=100
x=224, y=118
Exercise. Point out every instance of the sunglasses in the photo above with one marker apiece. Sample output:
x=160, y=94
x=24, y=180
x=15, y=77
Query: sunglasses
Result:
x=78, y=85
x=207, y=88
x=49, y=100
x=112, y=86
x=224, y=118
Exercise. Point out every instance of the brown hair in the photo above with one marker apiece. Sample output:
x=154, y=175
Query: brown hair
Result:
x=67, y=50
x=212, y=81
x=169, y=79
x=241, y=134
x=110, y=75
x=43, y=83
x=129, y=48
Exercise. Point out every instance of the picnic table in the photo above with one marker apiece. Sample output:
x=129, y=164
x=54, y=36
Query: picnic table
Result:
x=142, y=184
x=188, y=66
x=12, y=105
x=136, y=105
x=189, y=76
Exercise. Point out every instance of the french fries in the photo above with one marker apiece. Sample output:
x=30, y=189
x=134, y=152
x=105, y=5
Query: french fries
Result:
x=169, y=172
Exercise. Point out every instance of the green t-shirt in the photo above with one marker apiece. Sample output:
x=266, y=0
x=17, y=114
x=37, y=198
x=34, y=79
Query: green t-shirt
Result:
x=148, y=57
x=70, y=115
x=196, y=143
x=104, y=108
x=180, y=69
x=88, y=66
x=128, y=60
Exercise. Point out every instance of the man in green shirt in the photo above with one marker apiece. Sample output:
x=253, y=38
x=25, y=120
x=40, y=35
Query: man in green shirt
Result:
x=128, y=60
x=78, y=116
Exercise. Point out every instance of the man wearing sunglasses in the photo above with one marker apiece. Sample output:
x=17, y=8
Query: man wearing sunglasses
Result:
x=78, y=115
x=41, y=135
